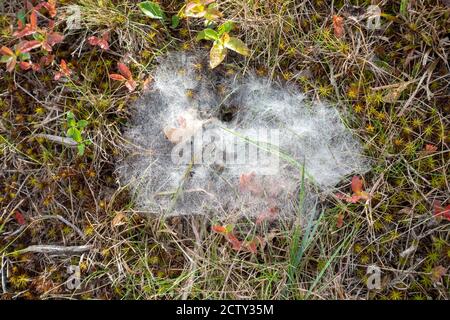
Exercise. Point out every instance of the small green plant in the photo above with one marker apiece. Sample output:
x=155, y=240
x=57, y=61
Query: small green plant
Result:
x=207, y=10
x=222, y=42
x=152, y=9
x=75, y=132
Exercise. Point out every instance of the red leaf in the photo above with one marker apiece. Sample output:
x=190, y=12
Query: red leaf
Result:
x=24, y=32
x=50, y=5
x=27, y=46
x=440, y=212
x=6, y=51
x=430, y=149
x=123, y=69
x=338, y=26
x=46, y=46
x=235, y=243
x=19, y=218
x=117, y=77
x=101, y=43
x=24, y=65
x=46, y=60
x=54, y=38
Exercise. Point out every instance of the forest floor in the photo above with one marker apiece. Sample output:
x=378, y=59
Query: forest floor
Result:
x=64, y=211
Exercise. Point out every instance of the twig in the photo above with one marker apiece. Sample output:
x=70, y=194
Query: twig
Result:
x=61, y=140
x=55, y=249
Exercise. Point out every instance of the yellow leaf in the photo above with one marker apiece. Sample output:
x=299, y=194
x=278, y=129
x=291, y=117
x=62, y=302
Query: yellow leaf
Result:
x=393, y=94
x=217, y=54
x=236, y=45
x=118, y=220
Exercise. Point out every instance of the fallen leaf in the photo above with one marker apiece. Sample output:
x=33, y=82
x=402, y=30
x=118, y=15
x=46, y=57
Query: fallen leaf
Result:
x=358, y=193
x=338, y=26
x=394, y=94
x=188, y=126
x=118, y=220
x=437, y=273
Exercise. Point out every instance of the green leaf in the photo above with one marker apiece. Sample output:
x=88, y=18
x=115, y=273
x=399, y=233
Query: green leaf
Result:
x=237, y=45
x=404, y=7
x=38, y=37
x=217, y=54
x=175, y=21
x=225, y=27
x=82, y=124
x=207, y=34
x=151, y=9
x=75, y=134
x=212, y=14
x=21, y=15
x=5, y=59
x=81, y=147
x=24, y=56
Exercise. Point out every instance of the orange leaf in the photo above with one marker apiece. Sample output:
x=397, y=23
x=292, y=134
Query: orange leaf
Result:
x=50, y=5
x=117, y=77
x=65, y=69
x=6, y=51
x=219, y=229
x=24, y=65
x=247, y=183
x=338, y=26
x=357, y=185
x=33, y=20
x=430, y=149
x=123, y=69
